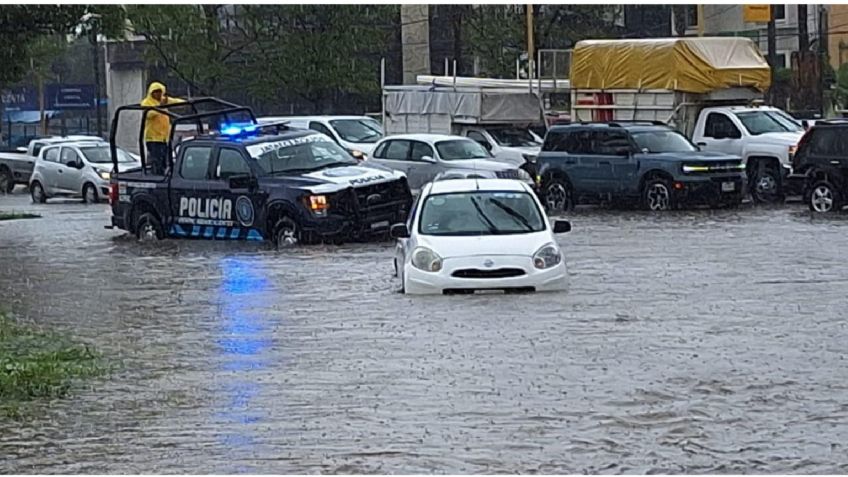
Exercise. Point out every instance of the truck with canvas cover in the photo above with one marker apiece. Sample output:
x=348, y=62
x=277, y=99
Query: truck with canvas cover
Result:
x=710, y=89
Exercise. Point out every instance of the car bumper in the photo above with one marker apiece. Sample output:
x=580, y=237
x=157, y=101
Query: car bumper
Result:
x=419, y=282
x=724, y=189
x=354, y=227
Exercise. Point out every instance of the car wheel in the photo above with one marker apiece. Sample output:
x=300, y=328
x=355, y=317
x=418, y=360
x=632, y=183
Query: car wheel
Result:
x=765, y=186
x=824, y=198
x=148, y=228
x=286, y=233
x=89, y=194
x=656, y=195
x=7, y=183
x=37, y=193
x=558, y=196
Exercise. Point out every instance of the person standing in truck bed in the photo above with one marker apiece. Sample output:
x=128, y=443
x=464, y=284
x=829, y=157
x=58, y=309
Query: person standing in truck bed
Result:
x=157, y=127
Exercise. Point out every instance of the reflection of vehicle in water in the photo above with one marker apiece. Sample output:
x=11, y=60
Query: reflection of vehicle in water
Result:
x=357, y=134
x=467, y=235
x=76, y=169
x=250, y=181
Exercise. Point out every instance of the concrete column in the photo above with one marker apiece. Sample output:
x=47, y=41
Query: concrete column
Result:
x=125, y=84
x=415, y=41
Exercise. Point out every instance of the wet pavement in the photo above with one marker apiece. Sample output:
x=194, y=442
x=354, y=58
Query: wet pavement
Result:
x=691, y=342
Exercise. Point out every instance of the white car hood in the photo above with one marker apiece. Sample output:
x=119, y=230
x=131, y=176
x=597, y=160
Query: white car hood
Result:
x=477, y=164
x=338, y=178
x=487, y=245
x=524, y=149
x=780, y=139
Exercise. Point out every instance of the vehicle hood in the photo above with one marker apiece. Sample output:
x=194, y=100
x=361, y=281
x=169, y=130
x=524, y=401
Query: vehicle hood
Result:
x=700, y=156
x=487, y=245
x=534, y=150
x=14, y=156
x=122, y=166
x=333, y=179
x=477, y=164
x=778, y=139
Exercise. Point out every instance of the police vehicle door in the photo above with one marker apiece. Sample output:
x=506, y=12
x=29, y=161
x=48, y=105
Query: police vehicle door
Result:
x=234, y=173
x=198, y=204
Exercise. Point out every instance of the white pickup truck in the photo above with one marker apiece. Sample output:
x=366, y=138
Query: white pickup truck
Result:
x=16, y=167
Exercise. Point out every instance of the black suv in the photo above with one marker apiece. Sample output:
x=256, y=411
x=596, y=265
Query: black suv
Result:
x=648, y=162
x=822, y=157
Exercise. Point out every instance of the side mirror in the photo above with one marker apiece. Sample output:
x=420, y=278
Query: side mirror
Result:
x=428, y=159
x=75, y=164
x=562, y=226
x=399, y=231
x=243, y=181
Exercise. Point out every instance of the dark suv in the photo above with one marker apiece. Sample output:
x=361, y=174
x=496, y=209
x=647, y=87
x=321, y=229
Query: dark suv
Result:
x=647, y=162
x=822, y=157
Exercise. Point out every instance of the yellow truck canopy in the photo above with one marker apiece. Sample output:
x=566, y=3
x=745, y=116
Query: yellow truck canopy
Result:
x=694, y=65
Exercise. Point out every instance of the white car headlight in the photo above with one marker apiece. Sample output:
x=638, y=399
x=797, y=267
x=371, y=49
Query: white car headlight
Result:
x=105, y=175
x=425, y=259
x=548, y=256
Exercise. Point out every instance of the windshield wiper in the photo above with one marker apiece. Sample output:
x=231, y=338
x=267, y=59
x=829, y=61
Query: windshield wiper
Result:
x=513, y=214
x=491, y=225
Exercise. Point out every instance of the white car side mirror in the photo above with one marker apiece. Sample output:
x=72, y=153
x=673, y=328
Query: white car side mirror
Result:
x=428, y=159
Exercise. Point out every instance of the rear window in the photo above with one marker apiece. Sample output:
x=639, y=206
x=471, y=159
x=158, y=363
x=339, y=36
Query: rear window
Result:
x=829, y=141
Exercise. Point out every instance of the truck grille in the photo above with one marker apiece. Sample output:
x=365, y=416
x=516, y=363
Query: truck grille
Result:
x=374, y=202
x=498, y=273
x=723, y=167
x=508, y=174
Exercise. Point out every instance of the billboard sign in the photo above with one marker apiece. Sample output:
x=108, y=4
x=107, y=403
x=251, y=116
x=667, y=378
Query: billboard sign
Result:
x=757, y=13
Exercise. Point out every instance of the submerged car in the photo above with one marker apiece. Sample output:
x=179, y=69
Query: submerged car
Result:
x=76, y=169
x=467, y=235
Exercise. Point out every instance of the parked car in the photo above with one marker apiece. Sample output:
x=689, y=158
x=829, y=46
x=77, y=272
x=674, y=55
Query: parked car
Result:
x=76, y=169
x=357, y=134
x=16, y=167
x=822, y=158
x=466, y=235
x=511, y=144
x=422, y=157
x=590, y=163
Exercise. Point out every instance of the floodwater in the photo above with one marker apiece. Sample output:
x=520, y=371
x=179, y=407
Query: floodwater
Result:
x=691, y=342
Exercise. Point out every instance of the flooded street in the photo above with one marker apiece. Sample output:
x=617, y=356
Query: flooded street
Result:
x=690, y=342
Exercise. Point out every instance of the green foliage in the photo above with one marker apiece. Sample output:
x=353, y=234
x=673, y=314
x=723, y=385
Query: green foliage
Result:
x=36, y=364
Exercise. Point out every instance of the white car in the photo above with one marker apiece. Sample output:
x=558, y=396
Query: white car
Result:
x=466, y=235
x=357, y=134
x=76, y=169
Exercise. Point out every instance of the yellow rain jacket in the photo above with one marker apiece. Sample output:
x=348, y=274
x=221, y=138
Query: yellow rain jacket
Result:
x=158, y=126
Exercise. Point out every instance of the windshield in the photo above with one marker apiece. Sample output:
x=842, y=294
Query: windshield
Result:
x=102, y=155
x=761, y=122
x=461, y=149
x=663, y=141
x=480, y=213
x=514, y=137
x=358, y=130
x=300, y=155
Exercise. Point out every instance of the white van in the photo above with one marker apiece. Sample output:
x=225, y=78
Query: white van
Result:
x=357, y=134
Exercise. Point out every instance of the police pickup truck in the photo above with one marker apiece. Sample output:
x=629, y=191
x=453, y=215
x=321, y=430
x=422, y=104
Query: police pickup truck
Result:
x=243, y=182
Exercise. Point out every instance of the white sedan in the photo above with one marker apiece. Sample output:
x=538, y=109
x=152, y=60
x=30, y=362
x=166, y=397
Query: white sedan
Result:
x=467, y=235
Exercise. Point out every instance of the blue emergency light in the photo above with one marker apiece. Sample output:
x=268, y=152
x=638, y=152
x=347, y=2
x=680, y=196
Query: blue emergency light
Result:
x=238, y=129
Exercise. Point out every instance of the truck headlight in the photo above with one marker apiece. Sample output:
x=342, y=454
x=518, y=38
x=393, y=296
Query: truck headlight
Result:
x=548, y=256
x=688, y=168
x=317, y=204
x=425, y=259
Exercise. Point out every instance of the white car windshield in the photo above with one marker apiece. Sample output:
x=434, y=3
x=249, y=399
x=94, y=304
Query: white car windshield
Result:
x=480, y=213
x=762, y=122
x=299, y=155
x=358, y=130
x=461, y=149
x=102, y=155
x=514, y=137
x=662, y=141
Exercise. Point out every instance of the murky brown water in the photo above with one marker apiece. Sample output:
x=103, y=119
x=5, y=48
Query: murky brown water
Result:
x=691, y=342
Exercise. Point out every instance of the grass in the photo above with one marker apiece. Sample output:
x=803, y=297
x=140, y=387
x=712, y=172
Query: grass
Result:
x=39, y=365
x=17, y=215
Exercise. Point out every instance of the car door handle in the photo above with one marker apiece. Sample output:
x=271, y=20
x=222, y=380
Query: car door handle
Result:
x=701, y=144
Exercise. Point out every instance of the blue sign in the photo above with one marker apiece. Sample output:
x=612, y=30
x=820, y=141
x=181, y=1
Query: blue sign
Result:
x=56, y=97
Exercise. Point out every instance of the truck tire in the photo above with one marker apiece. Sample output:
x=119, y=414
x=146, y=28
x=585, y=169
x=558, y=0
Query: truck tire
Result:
x=7, y=182
x=37, y=193
x=89, y=194
x=657, y=195
x=558, y=195
x=824, y=198
x=766, y=184
x=148, y=228
x=287, y=233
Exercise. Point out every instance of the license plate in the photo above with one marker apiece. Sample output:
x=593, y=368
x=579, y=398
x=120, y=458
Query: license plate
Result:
x=380, y=225
x=728, y=186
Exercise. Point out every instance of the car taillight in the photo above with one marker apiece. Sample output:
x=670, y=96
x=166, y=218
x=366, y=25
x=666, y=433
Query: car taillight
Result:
x=113, y=193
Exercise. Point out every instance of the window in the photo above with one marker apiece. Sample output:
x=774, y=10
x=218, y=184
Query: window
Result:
x=195, y=164
x=36, y=148
x=316, y=126
x=779, y=12
x=610, y=143
x=780, y=60
x=69, y=156
x=397, y=150
x=461, y=149
x=52, y=154
x=381, y=149
x=364, y=130
x=691, y=16
x=419, y=150
x=829, y=141
x=480, y=213
x=720, y=126
x=230, y=163
x=300, y=155
x=478, y=137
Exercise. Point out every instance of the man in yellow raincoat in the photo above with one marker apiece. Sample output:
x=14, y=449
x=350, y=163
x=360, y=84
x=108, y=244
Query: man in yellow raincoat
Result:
x=158, y=127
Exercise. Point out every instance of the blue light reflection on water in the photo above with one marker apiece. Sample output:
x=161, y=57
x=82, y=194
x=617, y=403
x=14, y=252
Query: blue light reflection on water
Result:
x=242, y=343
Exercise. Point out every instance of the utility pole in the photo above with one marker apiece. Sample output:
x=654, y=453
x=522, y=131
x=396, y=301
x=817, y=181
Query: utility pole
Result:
x=95, y=56
x=822, y=56
x=531, y=48
x=772, y=51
